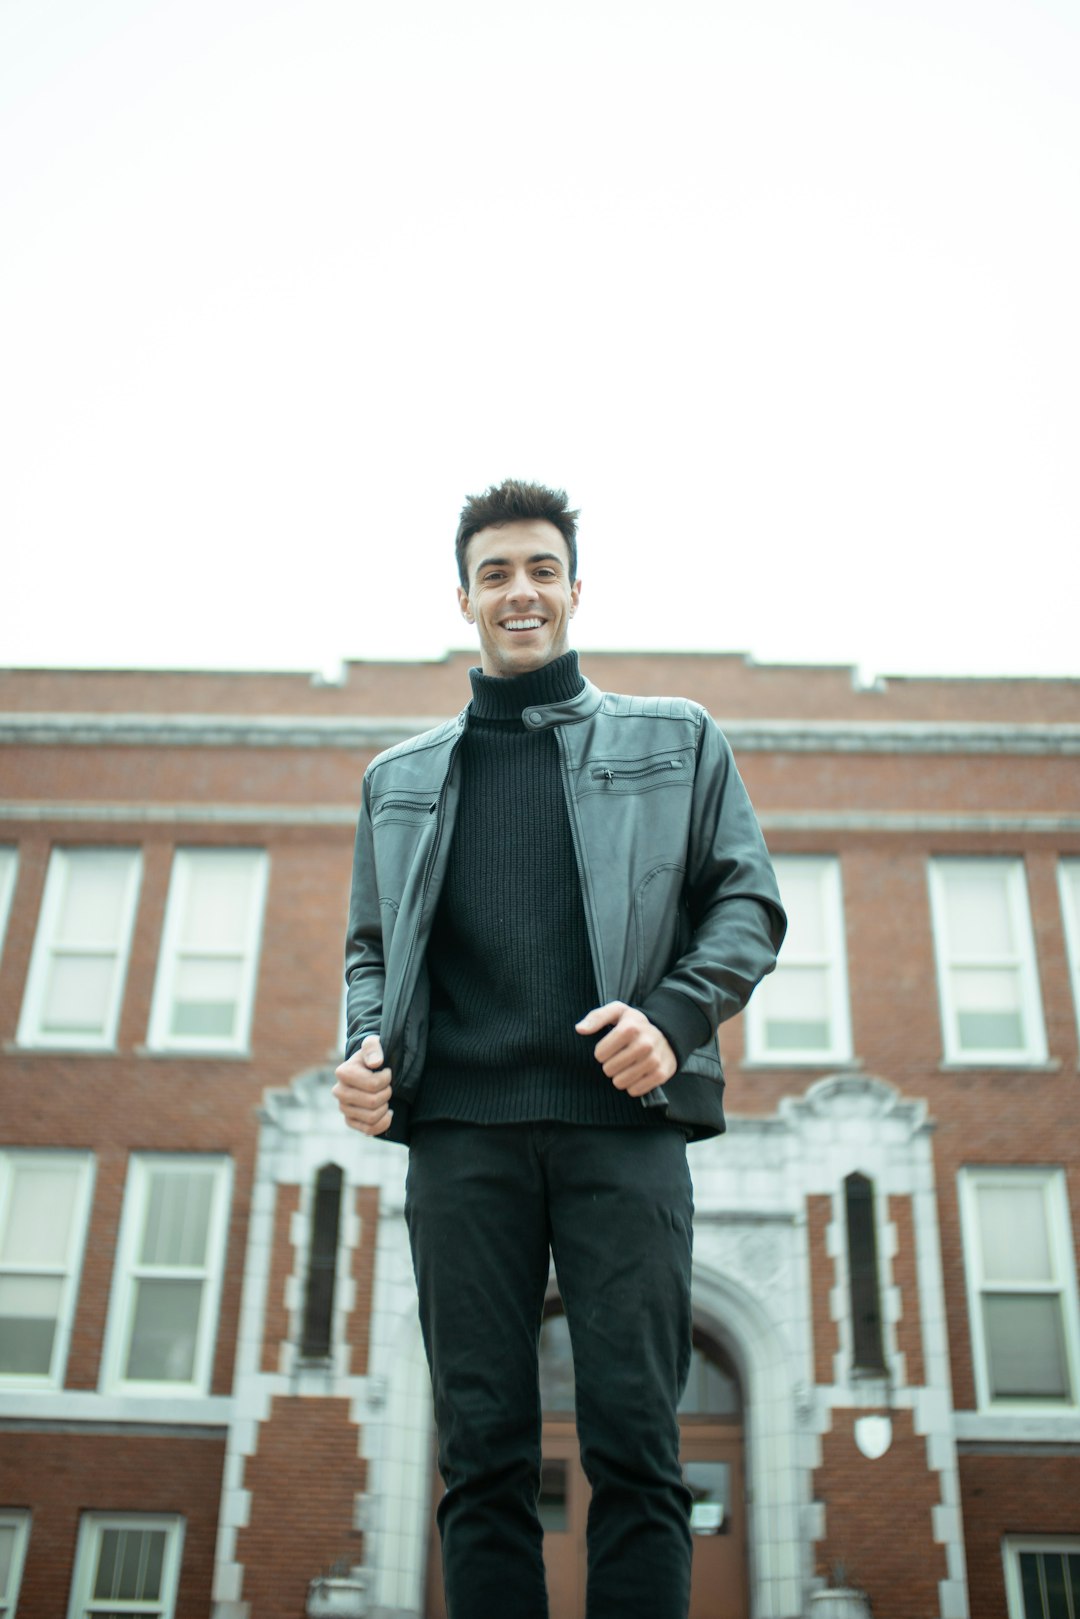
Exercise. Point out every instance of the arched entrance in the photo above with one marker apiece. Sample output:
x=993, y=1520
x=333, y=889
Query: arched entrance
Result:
x=711, y=1421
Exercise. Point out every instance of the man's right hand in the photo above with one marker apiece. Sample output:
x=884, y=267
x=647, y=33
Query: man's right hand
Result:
x=363, y=1089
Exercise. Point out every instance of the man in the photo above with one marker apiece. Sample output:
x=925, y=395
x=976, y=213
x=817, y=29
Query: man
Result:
x=556, y=899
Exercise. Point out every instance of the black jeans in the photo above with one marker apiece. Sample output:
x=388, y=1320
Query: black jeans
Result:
x=484, y=1205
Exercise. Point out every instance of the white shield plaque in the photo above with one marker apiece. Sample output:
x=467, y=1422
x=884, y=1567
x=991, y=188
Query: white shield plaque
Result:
x=873, y=1435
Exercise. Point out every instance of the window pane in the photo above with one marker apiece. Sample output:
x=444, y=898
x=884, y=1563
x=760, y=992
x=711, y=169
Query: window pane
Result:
x=7, y=1548
x=39, y=1215
x=1057, y=1602
x=29, y=1306
x=990, y=1031
x=1025, y=1346
x=801, y=891
x=8, y=862
x=1012, y=1234
x=551, y=1504
x=129, y=1567
x=1032, y=1586
x=556, y=1365
x=987, y=989
x=710, y=1485
x=710, y=1391
x=988, y=1002
x=797, y=1009
x=92, y=910
x=78, y=994
x=164, y=1332
x=796, y=1036
x=799, y=993
x=206, y=996
x=218, y=901
x=177, y=1217
x=979, y=925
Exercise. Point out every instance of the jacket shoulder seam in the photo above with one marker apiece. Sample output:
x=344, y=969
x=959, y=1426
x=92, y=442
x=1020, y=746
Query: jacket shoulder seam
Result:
x=436, y=737
x=674, y=708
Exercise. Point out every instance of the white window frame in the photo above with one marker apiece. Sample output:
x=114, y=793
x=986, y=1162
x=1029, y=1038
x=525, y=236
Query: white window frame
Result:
x=1011, y=870
x=30, y=1032
x=128, y=1270
x=834, y=964
x=92, y=1526
x=9, y=871
x=1011, y=1548
x=1069, y=889
x=160, y=1037
x=82, y=1163
x=20, y=1522
x=1059, y=1236
x=343, y=1020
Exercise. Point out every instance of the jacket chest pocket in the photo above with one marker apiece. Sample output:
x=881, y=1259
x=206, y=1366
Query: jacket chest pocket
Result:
x=405, y=808
x=403, y=827
x=642, y=774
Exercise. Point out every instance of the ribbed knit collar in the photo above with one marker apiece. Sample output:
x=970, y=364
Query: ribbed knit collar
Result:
x=503, y=698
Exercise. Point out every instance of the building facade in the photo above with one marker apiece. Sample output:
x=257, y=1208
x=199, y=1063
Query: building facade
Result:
x=213, y=1396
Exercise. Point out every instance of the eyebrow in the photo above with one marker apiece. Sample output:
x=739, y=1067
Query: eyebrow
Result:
x=504, y=562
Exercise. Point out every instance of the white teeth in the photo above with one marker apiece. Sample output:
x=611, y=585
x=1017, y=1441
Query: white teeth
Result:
x=522, y=624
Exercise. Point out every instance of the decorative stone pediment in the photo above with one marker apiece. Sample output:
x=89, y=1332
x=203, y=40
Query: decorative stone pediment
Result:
x=310, y=1093
x=854, y=1096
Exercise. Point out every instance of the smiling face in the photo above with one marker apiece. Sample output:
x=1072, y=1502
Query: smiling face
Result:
x=520, y=597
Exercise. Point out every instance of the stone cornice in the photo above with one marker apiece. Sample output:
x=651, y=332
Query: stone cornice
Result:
x=364, y=733
x=935, y=824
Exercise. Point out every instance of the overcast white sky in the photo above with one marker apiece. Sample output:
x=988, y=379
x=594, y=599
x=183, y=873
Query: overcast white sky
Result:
x=784, y=292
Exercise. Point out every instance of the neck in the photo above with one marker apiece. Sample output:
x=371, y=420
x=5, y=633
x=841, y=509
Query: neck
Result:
x=504, y=697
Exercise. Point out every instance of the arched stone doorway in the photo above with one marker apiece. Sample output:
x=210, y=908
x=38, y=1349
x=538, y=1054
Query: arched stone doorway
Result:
x=711, y=1422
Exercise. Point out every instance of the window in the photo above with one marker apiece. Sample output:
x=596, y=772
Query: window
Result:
x=209, y=949
x=986, y=962
x=864, y=1287
x=44, y=1200
x=800, y=1012
x=76, y=978
x=1069, y=882
x=167, y=1282
x=1021, y=1280
x=1042, y=1577
x=14, y=1533
x=317, y=1336
x=9, y=863
x=126, y=1563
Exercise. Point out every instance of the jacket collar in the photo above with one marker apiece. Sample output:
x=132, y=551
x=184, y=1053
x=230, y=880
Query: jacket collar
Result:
x=540, y=716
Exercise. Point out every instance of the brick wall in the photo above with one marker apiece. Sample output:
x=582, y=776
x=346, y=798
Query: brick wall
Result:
x=58, y=1476
x=1012, y=1494
x=878, y=1521
x=303, y=1480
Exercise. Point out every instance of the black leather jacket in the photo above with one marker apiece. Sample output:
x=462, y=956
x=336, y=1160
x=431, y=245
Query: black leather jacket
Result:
x=679, y=893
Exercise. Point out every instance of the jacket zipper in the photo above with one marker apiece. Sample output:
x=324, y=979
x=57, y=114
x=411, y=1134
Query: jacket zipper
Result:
x=408, y=978
x=605, y=772
x=592, y=922
x=409, y=804
x=657, y=1097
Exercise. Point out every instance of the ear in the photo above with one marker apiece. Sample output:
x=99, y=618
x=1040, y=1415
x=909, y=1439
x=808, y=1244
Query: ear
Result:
x=575, y=592
x=464, y=604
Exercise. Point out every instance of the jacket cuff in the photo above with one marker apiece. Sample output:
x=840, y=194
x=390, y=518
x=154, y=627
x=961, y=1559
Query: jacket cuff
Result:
x=684, y=1025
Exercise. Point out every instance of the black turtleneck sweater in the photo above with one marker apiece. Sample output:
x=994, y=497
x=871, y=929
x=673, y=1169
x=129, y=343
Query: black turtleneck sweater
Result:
x=509, y=960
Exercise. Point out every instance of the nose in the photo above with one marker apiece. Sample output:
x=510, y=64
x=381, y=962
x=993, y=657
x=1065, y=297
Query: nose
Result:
x=522, y=588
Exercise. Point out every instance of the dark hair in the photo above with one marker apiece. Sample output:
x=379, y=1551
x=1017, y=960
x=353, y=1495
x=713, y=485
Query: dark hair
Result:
x=515, y=502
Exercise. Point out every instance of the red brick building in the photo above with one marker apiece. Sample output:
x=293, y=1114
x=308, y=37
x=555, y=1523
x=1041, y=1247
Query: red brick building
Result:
x=212, y=1390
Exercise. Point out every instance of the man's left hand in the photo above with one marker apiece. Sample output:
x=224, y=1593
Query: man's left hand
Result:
x=634, y=1054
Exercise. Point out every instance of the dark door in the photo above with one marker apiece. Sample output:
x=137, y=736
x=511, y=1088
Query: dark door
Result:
x=710, y=1418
